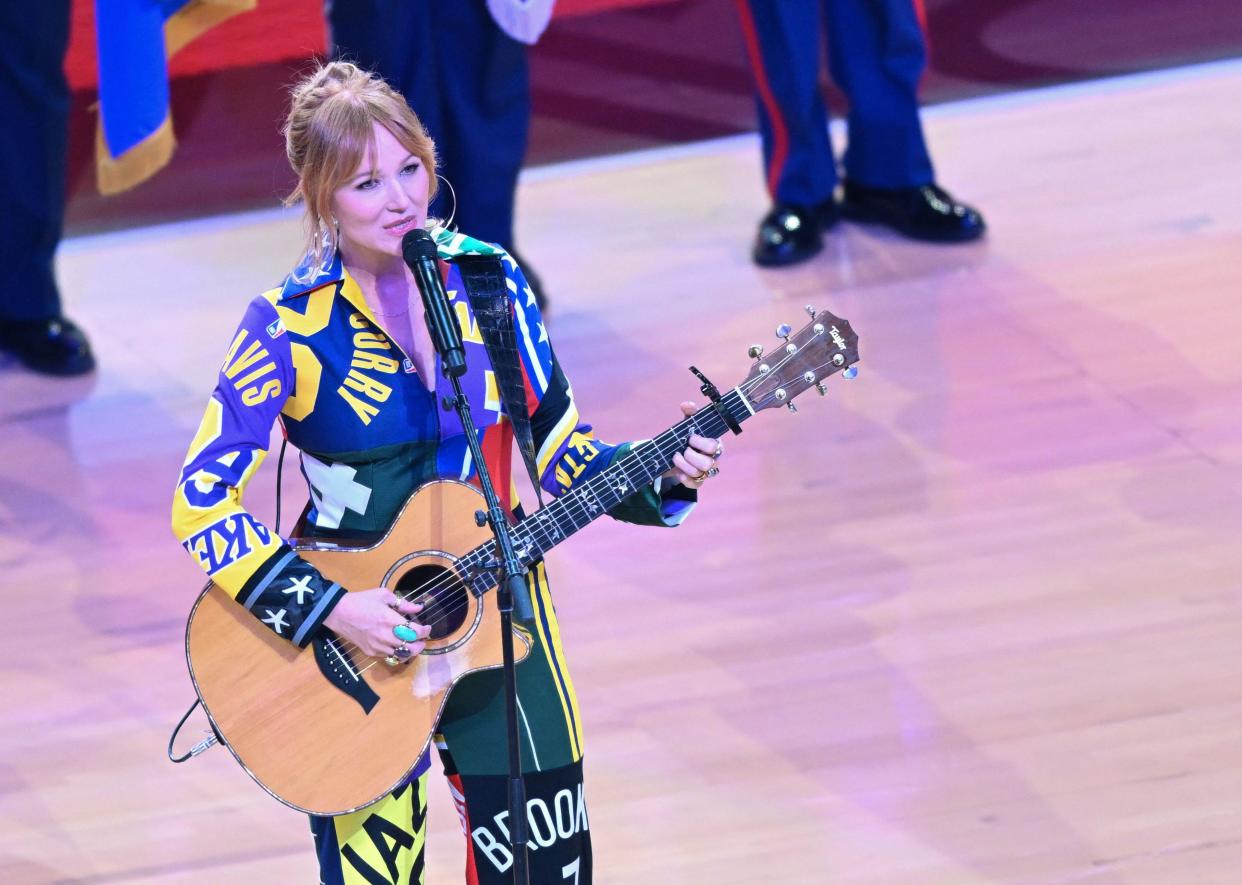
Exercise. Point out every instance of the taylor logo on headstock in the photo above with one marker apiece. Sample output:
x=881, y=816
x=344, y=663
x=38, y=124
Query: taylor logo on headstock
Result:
x=805, y=359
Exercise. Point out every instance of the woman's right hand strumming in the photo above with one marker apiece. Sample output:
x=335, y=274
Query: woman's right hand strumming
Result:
x=367, y=618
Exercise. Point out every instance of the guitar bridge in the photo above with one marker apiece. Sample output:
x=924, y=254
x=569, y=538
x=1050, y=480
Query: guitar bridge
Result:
x=339, y=669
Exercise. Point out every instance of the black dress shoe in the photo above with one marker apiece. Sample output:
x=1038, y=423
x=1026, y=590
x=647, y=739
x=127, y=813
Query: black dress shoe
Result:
x=921, y=213
x=53, y=347
x=791, y=233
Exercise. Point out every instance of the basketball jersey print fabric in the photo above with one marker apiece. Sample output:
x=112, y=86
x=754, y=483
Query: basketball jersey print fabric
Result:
x=314, y=356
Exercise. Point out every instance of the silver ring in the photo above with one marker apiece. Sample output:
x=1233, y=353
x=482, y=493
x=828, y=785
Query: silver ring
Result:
x=712, y=471
x=719, y=449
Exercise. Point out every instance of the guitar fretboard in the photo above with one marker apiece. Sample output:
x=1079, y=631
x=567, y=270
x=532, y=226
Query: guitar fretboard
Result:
x=575, y=510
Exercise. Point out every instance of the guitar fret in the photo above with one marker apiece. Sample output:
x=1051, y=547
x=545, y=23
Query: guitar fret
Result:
x=531, y=531
x=578, y=508
x=570, y=515
x=745, y=402
x=550, y=528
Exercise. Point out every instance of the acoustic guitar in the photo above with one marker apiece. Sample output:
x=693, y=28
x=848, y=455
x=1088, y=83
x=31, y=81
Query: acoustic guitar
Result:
x=328, y=730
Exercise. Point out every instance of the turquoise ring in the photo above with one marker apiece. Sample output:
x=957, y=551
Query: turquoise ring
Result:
x=405, y=633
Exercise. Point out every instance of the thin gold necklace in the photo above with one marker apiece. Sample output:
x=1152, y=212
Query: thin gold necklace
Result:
x=384, y=313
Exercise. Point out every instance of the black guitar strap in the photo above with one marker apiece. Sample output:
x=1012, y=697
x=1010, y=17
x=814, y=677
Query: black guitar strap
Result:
x=484, y=279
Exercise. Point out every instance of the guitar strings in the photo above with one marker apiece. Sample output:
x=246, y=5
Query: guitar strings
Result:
x=442, y=609
x=449, y=577
x=451, y=607
x=430, y=616
x=536, y=525
x=439, y=610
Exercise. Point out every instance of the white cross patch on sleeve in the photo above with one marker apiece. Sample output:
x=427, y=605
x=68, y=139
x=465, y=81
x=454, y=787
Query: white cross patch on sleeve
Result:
x=334, y=491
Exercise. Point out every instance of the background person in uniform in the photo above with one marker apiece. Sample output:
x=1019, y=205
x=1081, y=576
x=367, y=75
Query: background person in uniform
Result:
x=469, y=82
x=34, y=105
x=876, y=55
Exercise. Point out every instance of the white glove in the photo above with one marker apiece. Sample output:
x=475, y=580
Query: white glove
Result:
x=523, y=20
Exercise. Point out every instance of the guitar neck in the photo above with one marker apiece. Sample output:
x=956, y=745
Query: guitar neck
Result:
x=576, y=509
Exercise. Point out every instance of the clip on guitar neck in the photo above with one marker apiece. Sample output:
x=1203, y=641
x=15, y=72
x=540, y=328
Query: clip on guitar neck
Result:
x=713, y=393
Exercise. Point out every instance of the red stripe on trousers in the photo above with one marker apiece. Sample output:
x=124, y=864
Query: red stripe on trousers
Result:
x=780, y=134
x=472, y=874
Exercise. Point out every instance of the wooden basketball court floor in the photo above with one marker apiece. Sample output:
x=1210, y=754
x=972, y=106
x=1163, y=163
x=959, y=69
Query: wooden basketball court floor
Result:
x=975, y=617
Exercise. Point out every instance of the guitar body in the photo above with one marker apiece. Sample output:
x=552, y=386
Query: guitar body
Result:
x=330, y=747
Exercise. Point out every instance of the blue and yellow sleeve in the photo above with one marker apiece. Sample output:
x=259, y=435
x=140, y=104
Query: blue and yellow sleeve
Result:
x=567, y=451
x=238, y=552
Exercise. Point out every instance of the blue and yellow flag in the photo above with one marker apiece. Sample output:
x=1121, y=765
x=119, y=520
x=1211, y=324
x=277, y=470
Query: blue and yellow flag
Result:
x=136, y=39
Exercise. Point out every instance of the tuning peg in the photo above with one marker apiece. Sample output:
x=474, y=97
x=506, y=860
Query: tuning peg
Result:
x=851, y=372
x=810, y=310
x=791, y=406
x=780, y=395
x=755, y=351
x=838, y=359
x=783, y=330
x=823, y=391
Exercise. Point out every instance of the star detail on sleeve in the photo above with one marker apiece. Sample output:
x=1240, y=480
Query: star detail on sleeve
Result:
x=543, y=334
x=299, y=586
x=276, y=620
x=530, y=296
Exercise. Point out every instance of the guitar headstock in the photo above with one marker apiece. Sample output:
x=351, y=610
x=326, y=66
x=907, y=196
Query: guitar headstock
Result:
x=804, y=359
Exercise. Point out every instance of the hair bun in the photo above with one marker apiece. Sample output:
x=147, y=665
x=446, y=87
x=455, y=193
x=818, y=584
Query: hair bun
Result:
x=330, y=131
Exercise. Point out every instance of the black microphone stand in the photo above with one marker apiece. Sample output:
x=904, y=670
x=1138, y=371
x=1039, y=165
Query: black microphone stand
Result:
x=511, y=583
x=418, y=250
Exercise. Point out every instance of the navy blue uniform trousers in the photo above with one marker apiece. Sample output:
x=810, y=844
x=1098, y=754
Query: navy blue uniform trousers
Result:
x=876, y=55
x=34, y=105
x=469, y=83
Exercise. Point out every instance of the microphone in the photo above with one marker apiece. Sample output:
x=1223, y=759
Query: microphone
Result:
x=419, y=251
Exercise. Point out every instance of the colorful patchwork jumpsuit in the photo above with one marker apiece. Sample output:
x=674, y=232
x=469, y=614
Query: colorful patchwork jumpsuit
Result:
x=313, y=356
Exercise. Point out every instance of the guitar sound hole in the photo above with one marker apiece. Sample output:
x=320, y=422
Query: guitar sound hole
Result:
x=445, y=599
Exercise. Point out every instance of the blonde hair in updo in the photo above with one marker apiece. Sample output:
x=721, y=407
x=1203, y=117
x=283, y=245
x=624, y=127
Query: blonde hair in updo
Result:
x=329, y=133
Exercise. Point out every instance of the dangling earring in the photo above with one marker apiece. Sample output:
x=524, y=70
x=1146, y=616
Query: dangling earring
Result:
x=329, y=243
x=448, y=223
